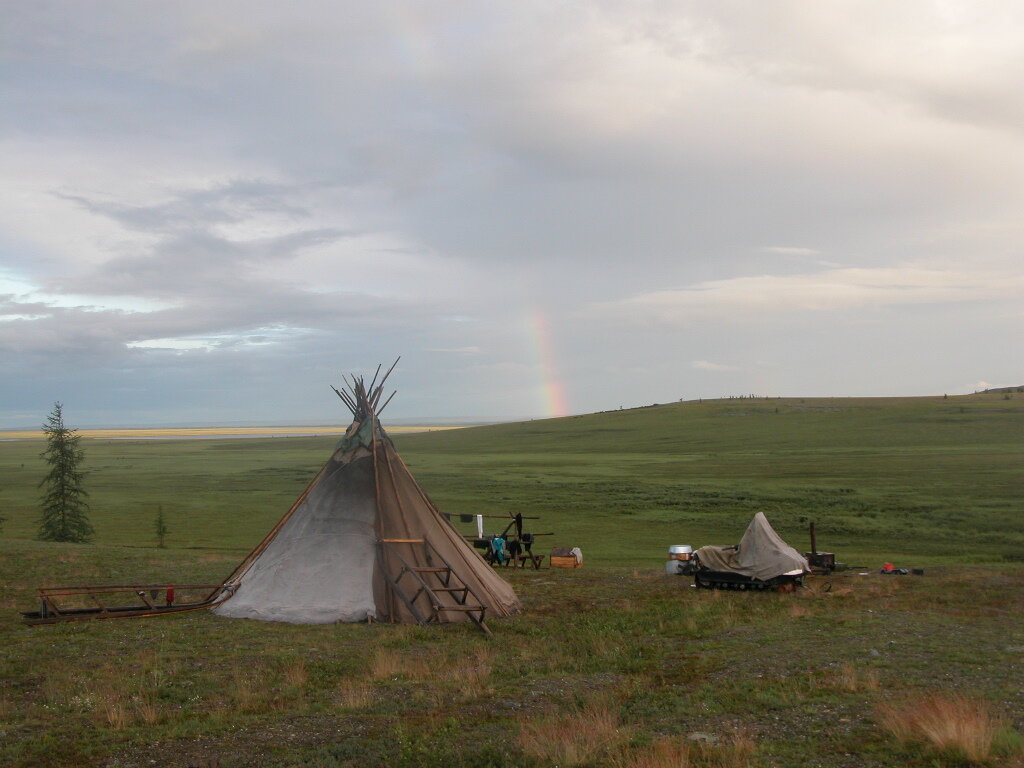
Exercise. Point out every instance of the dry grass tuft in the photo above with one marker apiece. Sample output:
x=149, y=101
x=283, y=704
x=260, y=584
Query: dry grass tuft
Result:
x=216, y=558
x=472, y=674
x=389, y=663
x=105, y=694
x=156, y=670
x=599, y=646
x=677, y=752
x=573, y=738
x=295, y=674
x=55, y=689
x=737, y=752
x=852, y=679
x=386, y=663
x=542, y=655
x=243, y=691
x=114, y=701
x=664, y=753
x=947, y=722
x=114, y=712
x=354, y=694
x=147, y=710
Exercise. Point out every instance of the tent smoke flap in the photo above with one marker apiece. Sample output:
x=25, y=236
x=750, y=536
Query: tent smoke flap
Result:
x=364, y=542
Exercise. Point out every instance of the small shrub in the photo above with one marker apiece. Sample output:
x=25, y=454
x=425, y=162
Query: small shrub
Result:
x=160, y=528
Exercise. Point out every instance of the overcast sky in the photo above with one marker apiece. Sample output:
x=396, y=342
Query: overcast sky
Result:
x=210, y=210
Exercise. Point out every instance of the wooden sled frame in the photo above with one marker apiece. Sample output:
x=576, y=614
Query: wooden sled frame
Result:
x=110, y=604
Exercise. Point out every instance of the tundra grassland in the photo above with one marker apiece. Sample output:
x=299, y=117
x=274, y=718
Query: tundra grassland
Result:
x=613, y=664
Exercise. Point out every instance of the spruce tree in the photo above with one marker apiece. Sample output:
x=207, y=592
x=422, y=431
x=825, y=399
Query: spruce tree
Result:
x=65, y=511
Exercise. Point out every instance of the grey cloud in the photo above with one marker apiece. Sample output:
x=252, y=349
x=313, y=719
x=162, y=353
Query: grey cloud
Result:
x=193, y=263
x=190, y=261
x=348, y=181
x=227, y=203
x=64, y=329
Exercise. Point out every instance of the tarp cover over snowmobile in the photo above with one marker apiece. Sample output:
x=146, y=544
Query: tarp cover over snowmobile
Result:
x=761, y=554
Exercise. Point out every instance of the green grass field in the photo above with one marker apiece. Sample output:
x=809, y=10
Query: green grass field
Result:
x=613, y=664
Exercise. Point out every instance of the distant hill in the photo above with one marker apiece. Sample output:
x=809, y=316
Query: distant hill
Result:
x=749, y=425
x=937, y=477
x=1000, y=390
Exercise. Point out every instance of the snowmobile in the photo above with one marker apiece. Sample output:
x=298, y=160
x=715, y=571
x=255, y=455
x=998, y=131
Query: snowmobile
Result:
x=761, y=561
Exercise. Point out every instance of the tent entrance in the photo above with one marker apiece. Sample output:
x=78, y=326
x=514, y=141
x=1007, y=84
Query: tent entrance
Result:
x=427, y=591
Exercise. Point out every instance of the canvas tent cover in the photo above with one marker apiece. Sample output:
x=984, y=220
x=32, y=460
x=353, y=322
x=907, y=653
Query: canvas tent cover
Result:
x=324, y=561
x=761, y=554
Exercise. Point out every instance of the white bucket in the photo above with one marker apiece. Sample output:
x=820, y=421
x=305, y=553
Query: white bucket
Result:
x=680, y=552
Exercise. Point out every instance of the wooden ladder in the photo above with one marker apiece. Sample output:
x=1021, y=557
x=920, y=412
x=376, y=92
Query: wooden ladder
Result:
x=437, y=581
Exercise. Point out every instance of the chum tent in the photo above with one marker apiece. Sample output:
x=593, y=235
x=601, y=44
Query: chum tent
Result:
x=364, y=542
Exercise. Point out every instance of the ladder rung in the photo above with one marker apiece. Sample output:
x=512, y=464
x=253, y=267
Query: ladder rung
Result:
x=449, y=589
x=430, y=570
x=458, y=607
x=402, y=541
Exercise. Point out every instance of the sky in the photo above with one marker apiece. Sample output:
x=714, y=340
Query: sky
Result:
x=211, y=211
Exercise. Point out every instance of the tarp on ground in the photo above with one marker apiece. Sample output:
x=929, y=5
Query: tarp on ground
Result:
x=761, y=554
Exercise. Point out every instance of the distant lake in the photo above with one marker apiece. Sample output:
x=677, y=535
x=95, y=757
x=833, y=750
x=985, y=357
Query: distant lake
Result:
x=207, y=433
x=245, y=436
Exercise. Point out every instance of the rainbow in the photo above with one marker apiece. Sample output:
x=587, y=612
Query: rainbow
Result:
x=553, y=393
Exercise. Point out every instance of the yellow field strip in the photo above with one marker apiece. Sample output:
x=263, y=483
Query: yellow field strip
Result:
x=211, y=432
